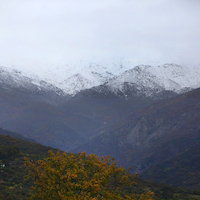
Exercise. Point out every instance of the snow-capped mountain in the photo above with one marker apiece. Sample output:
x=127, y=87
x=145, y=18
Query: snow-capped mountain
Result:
x=18, y=79
x=17, y=83
x=80, y=76
x=174, y=77
x=149, y=80
x=118, y=77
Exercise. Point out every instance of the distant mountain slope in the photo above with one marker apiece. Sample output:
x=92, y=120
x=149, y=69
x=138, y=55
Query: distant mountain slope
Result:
x=37, y=120
x=153, y=134
x=180, y=171
x=94, y=113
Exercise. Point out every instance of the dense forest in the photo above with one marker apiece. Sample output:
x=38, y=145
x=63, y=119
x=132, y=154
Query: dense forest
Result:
x=14, y=187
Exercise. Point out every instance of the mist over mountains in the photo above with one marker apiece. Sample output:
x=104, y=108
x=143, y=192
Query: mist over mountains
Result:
x=141, y=115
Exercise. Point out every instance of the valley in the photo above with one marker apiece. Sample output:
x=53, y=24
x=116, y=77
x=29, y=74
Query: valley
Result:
x=142, y=116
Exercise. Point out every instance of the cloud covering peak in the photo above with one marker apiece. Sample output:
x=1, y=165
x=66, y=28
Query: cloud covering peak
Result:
x=40, y=33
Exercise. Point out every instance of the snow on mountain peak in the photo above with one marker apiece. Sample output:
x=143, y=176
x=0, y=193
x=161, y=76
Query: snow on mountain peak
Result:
x=74, y=78
x=157, y=78
x=176, y=77
x=10, y=77
x=115, y=75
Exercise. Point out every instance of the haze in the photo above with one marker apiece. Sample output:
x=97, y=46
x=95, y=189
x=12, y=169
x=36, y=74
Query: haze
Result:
x=37, y=34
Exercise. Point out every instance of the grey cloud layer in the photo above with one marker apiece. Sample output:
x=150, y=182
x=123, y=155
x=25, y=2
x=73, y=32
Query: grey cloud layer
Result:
x=36, y=33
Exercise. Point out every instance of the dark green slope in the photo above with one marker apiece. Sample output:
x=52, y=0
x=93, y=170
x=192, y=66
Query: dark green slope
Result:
x=183, y=170
x=12, y=170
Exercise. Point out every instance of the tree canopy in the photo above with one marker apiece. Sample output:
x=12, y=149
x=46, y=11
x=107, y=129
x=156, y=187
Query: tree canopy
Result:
x=65, y=176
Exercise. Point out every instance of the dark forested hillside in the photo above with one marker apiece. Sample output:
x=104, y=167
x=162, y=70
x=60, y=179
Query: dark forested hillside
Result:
x=12, y=170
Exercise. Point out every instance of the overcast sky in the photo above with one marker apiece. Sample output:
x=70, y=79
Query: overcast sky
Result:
x=40, y=33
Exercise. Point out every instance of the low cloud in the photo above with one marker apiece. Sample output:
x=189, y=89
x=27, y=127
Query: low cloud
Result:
x=43, y=33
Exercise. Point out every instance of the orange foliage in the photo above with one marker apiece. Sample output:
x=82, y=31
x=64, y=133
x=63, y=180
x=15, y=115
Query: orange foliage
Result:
x=79, y=177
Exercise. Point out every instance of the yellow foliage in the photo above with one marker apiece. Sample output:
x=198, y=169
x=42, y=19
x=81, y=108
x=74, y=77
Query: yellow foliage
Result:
x=79, y=177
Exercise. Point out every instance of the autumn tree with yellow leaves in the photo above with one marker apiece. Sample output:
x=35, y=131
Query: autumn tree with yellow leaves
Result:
x=79, y=177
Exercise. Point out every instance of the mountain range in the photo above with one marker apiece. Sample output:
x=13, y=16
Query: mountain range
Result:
x=74, y=78
x=141, y=115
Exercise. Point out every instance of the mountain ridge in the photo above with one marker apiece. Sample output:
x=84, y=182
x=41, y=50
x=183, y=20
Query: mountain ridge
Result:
x=72, y=79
